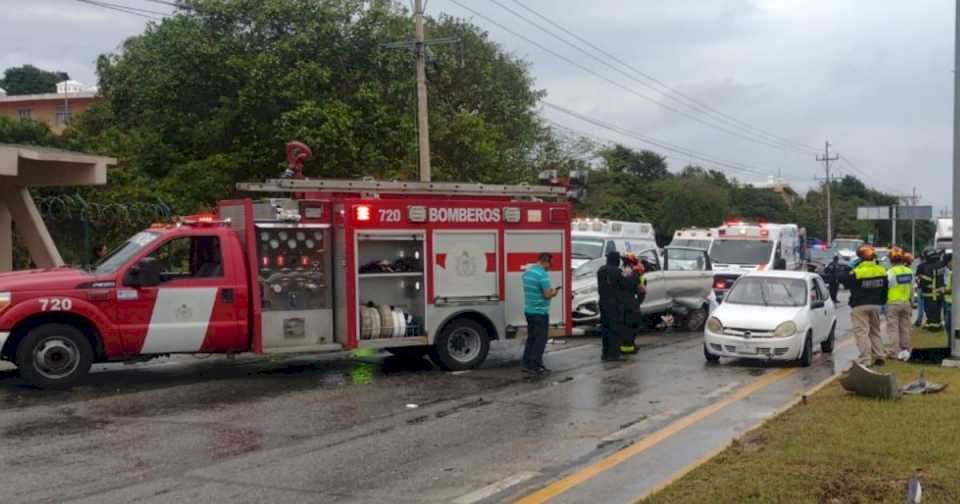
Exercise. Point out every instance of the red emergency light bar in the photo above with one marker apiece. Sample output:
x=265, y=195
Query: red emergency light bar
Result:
x=203, y=220
x=362, y=213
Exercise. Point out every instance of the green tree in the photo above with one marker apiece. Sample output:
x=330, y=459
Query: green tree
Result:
x=647, y=164
x=214, y=93
x=28, y=79
x=686, y=202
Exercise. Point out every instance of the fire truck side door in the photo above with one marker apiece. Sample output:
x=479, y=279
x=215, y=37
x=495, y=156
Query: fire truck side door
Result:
x=195, y=307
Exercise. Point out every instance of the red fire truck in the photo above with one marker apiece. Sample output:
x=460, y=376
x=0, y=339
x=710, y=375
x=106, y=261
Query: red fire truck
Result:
x=335, y=265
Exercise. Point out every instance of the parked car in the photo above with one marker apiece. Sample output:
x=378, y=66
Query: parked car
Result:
x=776, y=315
x=681, y=285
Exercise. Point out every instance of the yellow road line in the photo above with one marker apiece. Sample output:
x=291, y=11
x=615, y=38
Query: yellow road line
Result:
x=560, y=486
x=716, y=451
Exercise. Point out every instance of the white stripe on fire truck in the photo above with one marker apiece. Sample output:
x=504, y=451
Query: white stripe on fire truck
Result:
x=180, y=320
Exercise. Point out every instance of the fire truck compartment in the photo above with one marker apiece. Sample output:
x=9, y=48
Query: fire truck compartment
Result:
x=391, y=290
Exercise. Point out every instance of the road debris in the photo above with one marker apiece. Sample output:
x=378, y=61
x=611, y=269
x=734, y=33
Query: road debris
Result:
x=865, y=382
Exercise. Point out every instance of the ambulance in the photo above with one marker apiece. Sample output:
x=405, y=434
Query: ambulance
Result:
x=593, y=238
x=742, y=247
x=413, y=268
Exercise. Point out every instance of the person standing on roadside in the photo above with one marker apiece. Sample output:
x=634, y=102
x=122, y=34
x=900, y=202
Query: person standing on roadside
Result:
x=930, y=283
x=948, y=294
x=537, y=294
x=899, y=309
x=868, y=294
x=632, y=293
x=832, y=272
x=609, y=285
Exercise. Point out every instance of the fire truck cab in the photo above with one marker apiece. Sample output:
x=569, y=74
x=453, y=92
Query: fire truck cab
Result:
x=413, y=268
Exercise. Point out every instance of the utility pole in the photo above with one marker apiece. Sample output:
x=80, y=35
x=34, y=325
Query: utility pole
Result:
x=423, y=118
x=419, y=47
x=913, y=225
x=826, y=160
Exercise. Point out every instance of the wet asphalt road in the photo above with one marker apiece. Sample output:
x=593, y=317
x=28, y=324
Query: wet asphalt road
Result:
x=323, y=429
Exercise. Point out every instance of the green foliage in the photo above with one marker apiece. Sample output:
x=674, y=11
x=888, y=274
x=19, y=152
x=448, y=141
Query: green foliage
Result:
x=211, y=96
x=27, y=131
x=686, y=202
x=28, y=79
x=647, y=164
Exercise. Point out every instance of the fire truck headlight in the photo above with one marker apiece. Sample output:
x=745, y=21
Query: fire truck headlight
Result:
x=5, y=299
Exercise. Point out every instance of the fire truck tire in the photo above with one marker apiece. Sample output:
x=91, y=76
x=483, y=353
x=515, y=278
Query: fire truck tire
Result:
x=54, y=356
x=463, y=344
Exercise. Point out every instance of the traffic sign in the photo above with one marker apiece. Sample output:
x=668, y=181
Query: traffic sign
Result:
x=873, y=213
x=915, y=212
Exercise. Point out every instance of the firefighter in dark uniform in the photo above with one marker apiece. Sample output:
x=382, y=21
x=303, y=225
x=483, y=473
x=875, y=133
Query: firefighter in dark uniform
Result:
x=929, y=282
x=633, y=293
x=832, y=274
x=609, y=285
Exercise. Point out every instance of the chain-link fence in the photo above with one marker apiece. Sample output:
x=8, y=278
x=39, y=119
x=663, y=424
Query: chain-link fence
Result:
x=80, y=227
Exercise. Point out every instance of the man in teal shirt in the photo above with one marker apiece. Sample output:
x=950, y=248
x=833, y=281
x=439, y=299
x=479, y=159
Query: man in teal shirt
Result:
x=537, y=294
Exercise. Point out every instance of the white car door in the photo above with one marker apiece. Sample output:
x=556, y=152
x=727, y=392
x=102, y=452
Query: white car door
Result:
x=819, y=316
x=656, y=300
x=831, y=308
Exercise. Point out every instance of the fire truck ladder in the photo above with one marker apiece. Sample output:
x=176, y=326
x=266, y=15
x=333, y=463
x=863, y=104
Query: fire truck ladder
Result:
x=372, y=187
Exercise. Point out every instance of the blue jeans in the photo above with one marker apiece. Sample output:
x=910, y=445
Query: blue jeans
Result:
x=919, y=311
x=537, y=329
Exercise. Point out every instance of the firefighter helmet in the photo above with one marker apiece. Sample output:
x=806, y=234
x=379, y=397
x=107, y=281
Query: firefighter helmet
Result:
x=866, y=253
x=907, y=258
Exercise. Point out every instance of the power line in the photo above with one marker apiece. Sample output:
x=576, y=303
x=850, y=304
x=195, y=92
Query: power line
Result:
x=678, y=149
x=125, y=9
x=171, y=4
x=659, y=87
x=612, y=82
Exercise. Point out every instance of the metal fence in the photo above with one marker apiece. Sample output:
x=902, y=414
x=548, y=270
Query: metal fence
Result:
x=78, y=226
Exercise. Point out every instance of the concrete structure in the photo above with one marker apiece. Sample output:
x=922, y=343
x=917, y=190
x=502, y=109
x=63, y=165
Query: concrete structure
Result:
x=54, y=109
x=24, y=166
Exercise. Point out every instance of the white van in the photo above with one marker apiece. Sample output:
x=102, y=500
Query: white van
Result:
x=593, y=238
x=741, y=248
x=943, y=239
x=694, y=237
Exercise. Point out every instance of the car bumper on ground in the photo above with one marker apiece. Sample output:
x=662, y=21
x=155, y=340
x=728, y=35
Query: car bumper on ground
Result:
x=754, y=348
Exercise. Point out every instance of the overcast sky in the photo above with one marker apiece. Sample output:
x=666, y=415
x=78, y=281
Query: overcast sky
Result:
x=871, y=76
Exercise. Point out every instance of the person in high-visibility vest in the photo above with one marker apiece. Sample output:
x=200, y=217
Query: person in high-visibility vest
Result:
x=899, y=309
x=868, y=294
x=633, y=297
x=930, y=283
x=948, y=294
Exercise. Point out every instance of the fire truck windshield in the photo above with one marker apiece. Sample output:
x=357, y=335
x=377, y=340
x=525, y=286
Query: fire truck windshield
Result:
x=741, y=251
x=120, y=255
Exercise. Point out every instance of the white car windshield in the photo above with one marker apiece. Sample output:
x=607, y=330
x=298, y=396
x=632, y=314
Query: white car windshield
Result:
x=589, y=268
x=120, y=255
x=741, y=251
x=768, y=291
x=587, y=249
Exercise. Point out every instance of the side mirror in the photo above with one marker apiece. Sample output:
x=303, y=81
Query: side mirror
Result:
x=146, y=273
x=816, y=305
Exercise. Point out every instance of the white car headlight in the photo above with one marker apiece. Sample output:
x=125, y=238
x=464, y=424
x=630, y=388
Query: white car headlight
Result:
x=785, y=329
x=586, y=290
x=714, y=325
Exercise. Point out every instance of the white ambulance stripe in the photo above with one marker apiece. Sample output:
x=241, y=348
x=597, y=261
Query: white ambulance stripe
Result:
x=180, y=320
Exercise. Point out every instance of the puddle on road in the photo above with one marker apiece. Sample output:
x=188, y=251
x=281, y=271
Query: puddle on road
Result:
x=56, y=426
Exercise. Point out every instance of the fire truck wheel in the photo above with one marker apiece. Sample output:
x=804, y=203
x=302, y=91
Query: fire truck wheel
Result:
x=54, y=356
x=463, y=344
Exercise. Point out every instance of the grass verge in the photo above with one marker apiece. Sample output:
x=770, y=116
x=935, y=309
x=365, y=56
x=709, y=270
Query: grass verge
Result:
x=840, y=448
x=923, y=339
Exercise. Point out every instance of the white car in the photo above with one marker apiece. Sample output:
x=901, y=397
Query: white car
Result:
x=774, y=315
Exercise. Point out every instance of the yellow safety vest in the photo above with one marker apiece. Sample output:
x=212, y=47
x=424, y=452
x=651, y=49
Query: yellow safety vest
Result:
x=948, y=294
x=899, y=291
